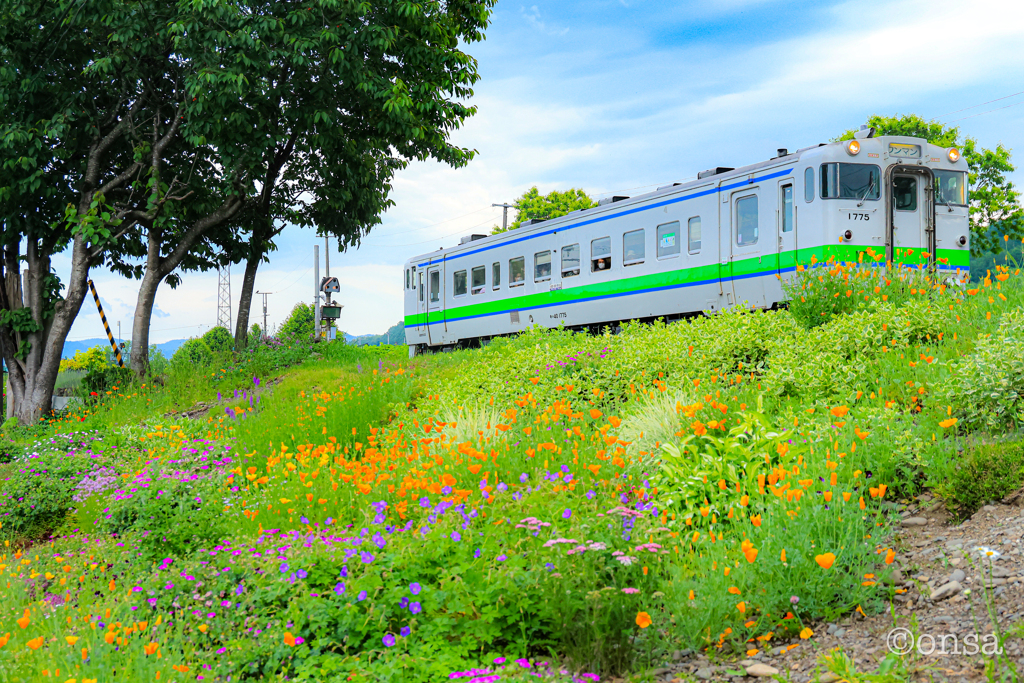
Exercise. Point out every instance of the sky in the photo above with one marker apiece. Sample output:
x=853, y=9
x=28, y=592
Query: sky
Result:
x=622, y=96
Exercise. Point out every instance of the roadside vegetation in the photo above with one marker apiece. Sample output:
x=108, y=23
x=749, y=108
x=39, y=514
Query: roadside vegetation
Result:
x=567, y=504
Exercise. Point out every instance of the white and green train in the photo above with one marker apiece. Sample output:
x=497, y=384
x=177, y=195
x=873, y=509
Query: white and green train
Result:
x=705, y=245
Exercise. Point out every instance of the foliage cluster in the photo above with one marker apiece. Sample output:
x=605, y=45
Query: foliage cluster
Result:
x=533, y=205
x=986, y=473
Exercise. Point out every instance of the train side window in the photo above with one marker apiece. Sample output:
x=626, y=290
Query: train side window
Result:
x=633, y=248
x=850, y=181
x=668, y=240
x=407, y=278
x=809, y=184
x=542, y=266
x=413, y=283
x=421, y=286
x=571, y=260
x=601, y=254
x=746, y=221
x=496, y=276
x=904, y=193
x=459, y=288
x=516, y=272
x=479, y=279
x=693, y=228
x=435, y=286
x=787, y=208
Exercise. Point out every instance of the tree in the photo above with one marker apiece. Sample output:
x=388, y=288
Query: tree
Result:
x=532, y=205
x=994, y=202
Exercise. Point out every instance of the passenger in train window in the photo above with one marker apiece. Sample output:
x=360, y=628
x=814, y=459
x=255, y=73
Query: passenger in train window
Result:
x=602, y=263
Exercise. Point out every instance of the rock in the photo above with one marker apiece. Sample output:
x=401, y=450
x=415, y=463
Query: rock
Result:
x=761, y=670
x=958, y=576
x=661, y=671
x=943, y=619
x=840, y=632
x=915, y=521
x=956, y=561
x=988, y=508
x=747, y=662
x=828, y=677
x=1001, y=573
x=947, y=591
x=832, y=628
x=703, y=674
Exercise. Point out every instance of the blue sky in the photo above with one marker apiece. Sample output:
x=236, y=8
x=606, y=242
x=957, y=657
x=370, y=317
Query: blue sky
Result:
x=622, y=96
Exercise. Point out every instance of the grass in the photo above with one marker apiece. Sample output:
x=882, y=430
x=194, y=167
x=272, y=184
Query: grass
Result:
x=594, y=502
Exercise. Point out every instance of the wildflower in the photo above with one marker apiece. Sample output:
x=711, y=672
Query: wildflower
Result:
x=734, y=590
x=825, y=561
x=742, y=607
x=415, y=588
x=388, y=640
x=643, y=619
x=415, y=608
x=71, y=639
x=987, y=552
x=35, y=643
x=567, y=514
x=630, y=591
x=406, y=631
x=783, y=556
x=289, y=639
x=793, y=599
x=806, y=633
x=946, y=424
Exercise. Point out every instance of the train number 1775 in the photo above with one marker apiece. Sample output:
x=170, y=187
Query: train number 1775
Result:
x=858, y=216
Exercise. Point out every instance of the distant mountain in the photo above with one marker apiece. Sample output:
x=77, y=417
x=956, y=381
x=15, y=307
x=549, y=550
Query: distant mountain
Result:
x=167, y=348
x=394, y=335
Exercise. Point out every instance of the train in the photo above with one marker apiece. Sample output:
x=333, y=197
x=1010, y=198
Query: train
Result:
x=729, y=238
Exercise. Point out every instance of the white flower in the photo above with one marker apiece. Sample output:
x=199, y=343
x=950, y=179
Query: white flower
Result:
x=988, y=553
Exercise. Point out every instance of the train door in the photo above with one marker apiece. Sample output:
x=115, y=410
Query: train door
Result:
x=435, y=303
x=421, y=303
x=748, y=241
x=909, y=217
x=784, y=243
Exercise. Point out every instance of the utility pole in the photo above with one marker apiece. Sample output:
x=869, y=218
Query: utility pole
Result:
x=316, y=291
x=264, y=333
x=504, y=214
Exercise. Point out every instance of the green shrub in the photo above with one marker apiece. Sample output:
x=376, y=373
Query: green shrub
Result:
x=219, y=340
x=9, y=450
x=299, y=325
x=105, y=379
x=986, y=473
x=35, y=495
x=194, y=352
x=171, y=519
x=985, y=388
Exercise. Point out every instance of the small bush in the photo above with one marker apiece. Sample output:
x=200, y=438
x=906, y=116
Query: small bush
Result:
x=987, y=473
x=9, y=450
x=36, y=496
x=194, y=352
x=299, y=325
x=105, y=379
x=219, y=340
x=173, y=519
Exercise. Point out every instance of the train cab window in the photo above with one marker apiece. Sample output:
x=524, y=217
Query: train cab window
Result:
x=633, y=248
x=950, y=188
x=516, y=272
x=809, y=185
x=421, y=286
x=479, y=279
x=542, y=266
x=693, y=234
x=904, y=193
x=496, y=276
x=459, y=288
x=571, y=260
x=850, y=181
x=601, y=254
x=746, y=221
x=435, y=286
x=787, y=208
x=668, y=240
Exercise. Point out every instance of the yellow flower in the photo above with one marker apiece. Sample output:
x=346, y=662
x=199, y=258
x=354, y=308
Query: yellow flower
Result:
x=806, y=633
x=946, y=424
x=71, y=639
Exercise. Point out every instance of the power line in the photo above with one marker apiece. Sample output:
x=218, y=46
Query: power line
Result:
x=975, y=106
x=986, y=112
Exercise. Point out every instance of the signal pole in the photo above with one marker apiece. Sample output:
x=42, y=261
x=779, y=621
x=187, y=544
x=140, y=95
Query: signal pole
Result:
x=316, y=290
x=504, y=214
x=264, y=333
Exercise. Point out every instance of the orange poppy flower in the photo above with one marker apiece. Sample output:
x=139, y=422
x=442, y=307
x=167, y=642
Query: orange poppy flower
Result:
x=825, y=561
x=734, y=590
x=643, y=619
x=742, y=607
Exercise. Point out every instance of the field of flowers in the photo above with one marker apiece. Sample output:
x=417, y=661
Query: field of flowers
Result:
x=554, y=505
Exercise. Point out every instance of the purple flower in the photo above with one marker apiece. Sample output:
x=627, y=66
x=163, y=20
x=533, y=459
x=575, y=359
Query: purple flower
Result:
x=501, y=558
x=406, y=631
x=389, y=640
x=456, y=536
x=793, y=600
x=362, y=595
x=301, y=574
x=340, y=588
x=415, y=608
x=499, y=660
x=567, y=514
x=415, y=588
x=284, y=567
x=366, y=557
x=591, y=494
x=523, y=478
x=424, y=502
x=403, y=603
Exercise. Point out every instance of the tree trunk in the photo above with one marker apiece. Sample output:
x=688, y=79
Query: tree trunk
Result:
x=140, y=325
x=245, y=302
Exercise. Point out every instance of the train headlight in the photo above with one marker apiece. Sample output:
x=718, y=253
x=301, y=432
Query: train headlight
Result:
x=853, y=148
x=953, y=154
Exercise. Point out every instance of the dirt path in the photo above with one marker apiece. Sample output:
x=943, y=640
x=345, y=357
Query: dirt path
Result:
x=950, y=587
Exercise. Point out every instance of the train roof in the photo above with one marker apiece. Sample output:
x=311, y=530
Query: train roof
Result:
x=704, y=179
